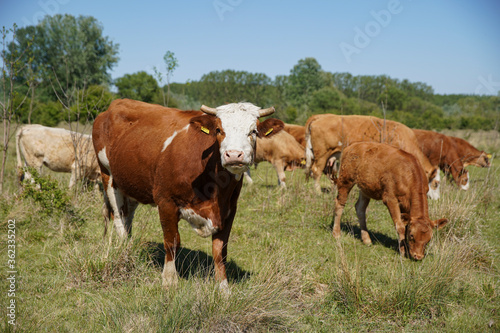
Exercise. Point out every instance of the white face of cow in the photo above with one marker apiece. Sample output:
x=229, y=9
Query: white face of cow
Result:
x=238, y=133
x=239, y=123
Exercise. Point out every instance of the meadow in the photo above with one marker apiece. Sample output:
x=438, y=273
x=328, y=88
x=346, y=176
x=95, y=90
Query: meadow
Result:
x=286, y=272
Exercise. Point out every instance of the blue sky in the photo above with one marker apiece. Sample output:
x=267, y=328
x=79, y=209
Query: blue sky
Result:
x=454, y=46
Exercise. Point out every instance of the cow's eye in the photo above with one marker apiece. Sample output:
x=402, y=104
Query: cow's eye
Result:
x=218, y=131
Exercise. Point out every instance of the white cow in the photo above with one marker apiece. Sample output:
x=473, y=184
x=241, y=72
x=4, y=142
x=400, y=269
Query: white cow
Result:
x=58, y=149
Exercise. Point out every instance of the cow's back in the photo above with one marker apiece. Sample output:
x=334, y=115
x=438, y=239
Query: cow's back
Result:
x=380, y=168
x=440, y=149
x=282, y=146
x=298, y=132
x=141, y=144
x=341, y=131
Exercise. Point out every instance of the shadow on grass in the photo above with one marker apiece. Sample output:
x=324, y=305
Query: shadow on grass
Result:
x=192, y=263
x=353, y=229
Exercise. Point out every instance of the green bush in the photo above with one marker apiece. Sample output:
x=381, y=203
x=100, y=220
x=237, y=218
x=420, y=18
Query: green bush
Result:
x=52, y=200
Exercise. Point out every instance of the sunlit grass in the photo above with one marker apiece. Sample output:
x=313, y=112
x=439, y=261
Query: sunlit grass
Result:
x=286, y=271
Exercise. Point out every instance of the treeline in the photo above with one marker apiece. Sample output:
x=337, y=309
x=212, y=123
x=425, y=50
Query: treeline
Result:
x=309, y=90
x=59, y=70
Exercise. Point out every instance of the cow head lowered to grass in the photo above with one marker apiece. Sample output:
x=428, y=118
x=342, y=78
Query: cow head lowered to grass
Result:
x=188, y=163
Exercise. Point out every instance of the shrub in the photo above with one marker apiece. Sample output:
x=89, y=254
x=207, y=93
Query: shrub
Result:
x=47, y=194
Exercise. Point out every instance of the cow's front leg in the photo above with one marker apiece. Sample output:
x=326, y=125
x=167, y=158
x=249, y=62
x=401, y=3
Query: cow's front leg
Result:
x=340, y=201
x=169, y=218
x=75, y=170
x=219, y=252
x=393, y=206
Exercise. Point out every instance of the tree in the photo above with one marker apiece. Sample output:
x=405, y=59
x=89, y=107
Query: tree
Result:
x=171, y=64
x=67, y=53
x=325, y=99
x=392, y=98
x=140, y=86
x=305, y=78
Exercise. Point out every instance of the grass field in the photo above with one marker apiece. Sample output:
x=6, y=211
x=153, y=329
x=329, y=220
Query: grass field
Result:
x=286, y=271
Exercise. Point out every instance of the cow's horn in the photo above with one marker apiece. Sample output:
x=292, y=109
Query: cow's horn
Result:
x=266, y=112
x=209, y=110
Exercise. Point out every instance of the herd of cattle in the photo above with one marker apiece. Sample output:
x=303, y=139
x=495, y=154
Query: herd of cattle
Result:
x=190, y=165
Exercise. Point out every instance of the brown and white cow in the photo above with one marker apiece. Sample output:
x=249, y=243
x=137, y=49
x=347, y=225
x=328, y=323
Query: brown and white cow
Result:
x=58, y=149
x=386, y=173
x=470, y=155
x=298, y=132
x=328, y=134
x=282, y=151
x=188, y=163
x=442, y=151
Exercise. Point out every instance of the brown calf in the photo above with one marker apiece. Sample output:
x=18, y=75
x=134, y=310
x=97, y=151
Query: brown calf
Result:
x=386, y=173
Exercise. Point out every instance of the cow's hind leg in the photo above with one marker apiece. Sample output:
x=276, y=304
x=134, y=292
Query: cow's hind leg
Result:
x=118, y=202
x=317, y=171
x=36, y=164
x=169, y=218
x=361, y=206
x=128, y=214
x=279, y=166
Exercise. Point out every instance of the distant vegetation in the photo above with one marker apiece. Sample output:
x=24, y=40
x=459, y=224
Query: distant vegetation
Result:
x=62, y=69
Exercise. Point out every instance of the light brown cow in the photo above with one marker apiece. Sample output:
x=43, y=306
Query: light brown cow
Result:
x=298, y=132
x=386, y=173
x=188, y=163
x=442, y=151
x=470, y=155
x=328, y=134
x=282, y=151
x=58, y=149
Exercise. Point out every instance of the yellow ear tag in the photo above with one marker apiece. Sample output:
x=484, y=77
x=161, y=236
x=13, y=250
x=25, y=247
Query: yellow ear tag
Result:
x=303, y=162
x=205, y=130
x=489, y=155
x=269, y=131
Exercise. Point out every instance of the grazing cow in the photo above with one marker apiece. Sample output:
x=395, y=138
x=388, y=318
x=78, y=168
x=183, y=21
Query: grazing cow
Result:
x=298, y=132
x=470, y=155
x=328, y=134
x=188, y=163
x=282, y=151
x=442, y=151
x=58, y=149
x=386, y=173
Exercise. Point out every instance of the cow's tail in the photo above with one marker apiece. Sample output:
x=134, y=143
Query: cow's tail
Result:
x=19, y=151
x=309, y=150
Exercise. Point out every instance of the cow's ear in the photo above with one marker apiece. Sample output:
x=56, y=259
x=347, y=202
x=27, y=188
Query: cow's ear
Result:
x=205, y=124
x=269, y=127
x=439, y=223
